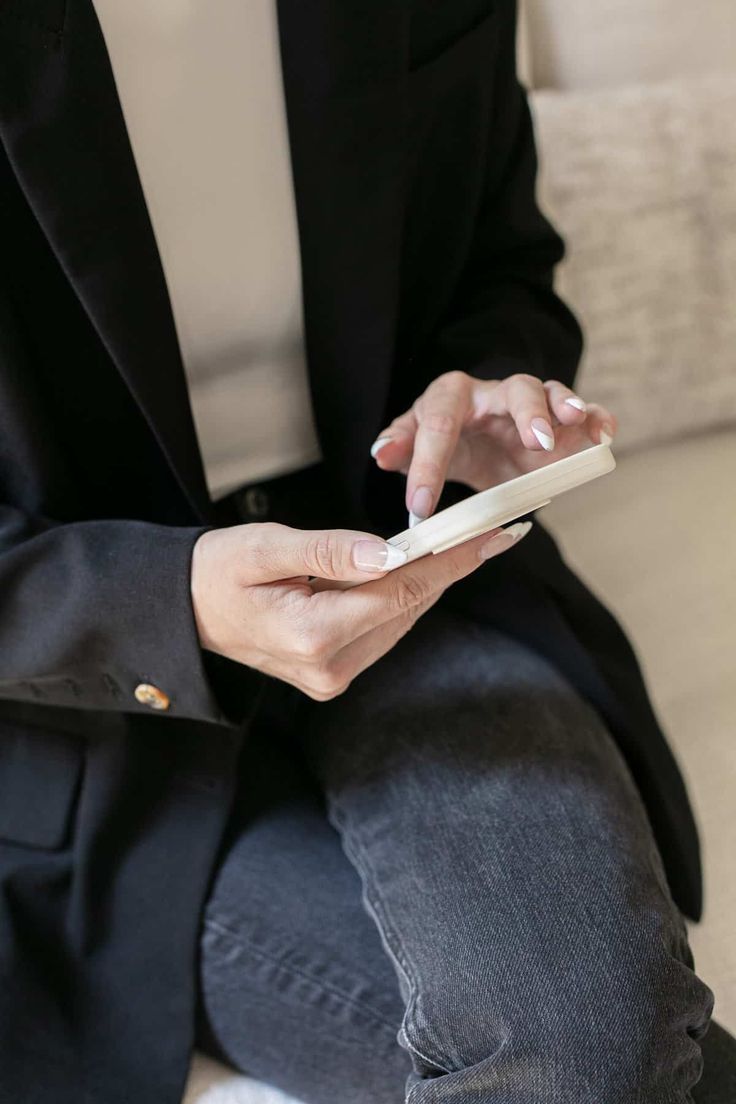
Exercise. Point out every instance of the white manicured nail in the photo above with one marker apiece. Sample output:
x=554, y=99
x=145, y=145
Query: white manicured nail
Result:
x=508, y=536
x=395, y=558
x=371, y=555
x=422, y=502
x=576, y=402
x=378, y=445
x=518, y=529
x=606, y=437
x=545, y=439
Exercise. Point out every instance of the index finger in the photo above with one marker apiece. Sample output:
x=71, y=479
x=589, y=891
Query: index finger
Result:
x=440, y=414
x=352, y=612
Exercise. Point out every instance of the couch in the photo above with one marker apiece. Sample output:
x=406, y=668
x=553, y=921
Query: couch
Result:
x=635, y=111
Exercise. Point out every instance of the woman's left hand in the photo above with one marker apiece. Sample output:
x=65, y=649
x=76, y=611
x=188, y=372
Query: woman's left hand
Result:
x=483, y=432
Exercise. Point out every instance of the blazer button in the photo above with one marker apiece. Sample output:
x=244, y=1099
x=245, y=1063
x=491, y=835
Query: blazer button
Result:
x=255, y=503
x=151, y=696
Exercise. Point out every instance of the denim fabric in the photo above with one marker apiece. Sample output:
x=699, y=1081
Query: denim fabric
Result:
x=442, y=888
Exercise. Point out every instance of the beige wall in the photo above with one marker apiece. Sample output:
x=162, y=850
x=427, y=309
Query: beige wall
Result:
x=599, y=43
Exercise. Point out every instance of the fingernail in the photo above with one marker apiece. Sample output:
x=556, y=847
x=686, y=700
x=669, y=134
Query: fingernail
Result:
x=543, y=432
x=576, y=402
x=508, y=536
x=421, y=505
x=371, y=555
x=378, y=445
x=606, y=434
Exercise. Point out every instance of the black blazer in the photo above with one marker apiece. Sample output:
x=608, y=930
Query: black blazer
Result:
x=422, y=250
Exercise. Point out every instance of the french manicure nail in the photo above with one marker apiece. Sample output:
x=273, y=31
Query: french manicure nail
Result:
x=606, y=434
x=378, y=445
x=371, y=555
x=421, y=505
x=508, y=536
x=576, y=402
x=543, y=432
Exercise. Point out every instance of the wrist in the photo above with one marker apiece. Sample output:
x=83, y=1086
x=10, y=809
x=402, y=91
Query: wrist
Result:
x=200, y=587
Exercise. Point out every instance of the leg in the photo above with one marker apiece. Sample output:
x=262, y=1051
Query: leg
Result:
x=509, y=866
x=718, y=1084
x=295, y=988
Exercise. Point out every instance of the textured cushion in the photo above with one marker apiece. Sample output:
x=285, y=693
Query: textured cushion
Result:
x=584, y=44
x=642, y=183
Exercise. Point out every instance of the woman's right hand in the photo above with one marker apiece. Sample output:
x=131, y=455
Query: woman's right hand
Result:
x=254, y=602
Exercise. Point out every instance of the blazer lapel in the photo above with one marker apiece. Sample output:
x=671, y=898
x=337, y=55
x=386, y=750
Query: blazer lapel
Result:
x=61, y=122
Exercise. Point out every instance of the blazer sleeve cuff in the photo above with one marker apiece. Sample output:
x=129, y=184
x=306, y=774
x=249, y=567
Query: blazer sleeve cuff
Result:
x=102, y=618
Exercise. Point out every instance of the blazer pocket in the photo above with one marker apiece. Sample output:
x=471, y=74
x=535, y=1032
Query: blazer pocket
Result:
x=464, y=55
x=39, y=780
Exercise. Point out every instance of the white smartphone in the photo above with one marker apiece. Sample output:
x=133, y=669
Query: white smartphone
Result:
x=504, y=503
x=498, y=505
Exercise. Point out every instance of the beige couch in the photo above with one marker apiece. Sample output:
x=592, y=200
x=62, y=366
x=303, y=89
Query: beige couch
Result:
x=635, y=104
x=639, y=171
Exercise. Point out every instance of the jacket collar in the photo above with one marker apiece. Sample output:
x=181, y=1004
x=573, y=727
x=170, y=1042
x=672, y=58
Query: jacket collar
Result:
x=62, y=126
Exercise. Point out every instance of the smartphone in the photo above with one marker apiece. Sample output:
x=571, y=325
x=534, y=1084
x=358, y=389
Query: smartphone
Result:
x=503, y=503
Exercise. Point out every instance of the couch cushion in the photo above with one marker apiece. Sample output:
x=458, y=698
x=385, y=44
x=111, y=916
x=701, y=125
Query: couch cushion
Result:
x=579, y=44
x=656, y=539
x=642, y=184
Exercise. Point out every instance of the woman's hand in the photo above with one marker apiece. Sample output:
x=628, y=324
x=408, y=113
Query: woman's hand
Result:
x=483, y=432
x=254, y=602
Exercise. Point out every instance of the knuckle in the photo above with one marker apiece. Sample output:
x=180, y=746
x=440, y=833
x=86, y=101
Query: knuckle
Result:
x=319, y=696
x=322, y=555
x=527, y=379
x=457, y=563
x=456, y=380
x=428, y=470
x=328, y=682
x=411, y=591
x=309, y=643
x=314, y=694
x=437, y=421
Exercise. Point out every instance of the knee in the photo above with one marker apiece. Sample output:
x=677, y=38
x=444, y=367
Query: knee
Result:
x=625, y=1028
x=566, y=1023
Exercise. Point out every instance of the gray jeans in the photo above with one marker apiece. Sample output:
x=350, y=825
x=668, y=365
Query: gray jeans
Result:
x=442, y=888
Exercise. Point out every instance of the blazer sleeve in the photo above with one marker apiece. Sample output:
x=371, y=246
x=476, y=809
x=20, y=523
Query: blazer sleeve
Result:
x=506, y=317
x=92, y=609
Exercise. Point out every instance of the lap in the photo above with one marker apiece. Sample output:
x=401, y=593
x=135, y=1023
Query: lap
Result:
x=459, y=812
x=295, y=987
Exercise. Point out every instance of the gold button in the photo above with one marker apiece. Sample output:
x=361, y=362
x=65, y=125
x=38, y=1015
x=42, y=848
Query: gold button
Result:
x=151, y=696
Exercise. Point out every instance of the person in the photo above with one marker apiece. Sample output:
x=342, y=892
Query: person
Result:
x=419, y=839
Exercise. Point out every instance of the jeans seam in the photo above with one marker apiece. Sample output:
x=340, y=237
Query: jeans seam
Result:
x=386, y=926
x=328, y=987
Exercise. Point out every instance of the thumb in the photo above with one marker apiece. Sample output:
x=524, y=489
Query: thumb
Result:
x=271, y=551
